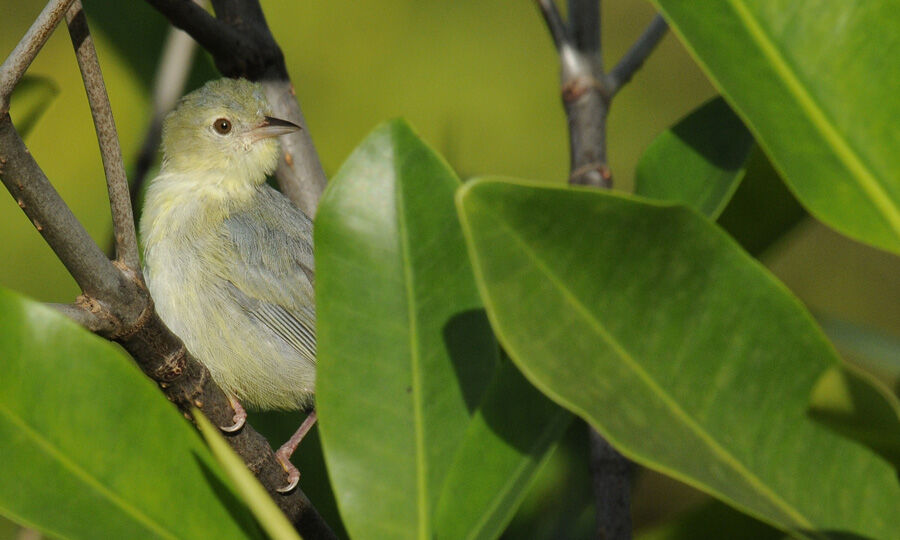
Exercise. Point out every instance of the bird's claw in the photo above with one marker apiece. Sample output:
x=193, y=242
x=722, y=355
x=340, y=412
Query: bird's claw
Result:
x=293, y=473
x=239, y=418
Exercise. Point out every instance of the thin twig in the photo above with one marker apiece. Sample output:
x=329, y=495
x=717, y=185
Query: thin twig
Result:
x=637, y=54
x=108, y=139
x=555, y=24
x=27, y=49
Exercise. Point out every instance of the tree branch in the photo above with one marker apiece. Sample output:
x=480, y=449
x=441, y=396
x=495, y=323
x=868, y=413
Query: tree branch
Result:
x=584, y=24
x=242, y=45
x=219, y=39
x=637, y=54
x=105, y=127
x=555, y=24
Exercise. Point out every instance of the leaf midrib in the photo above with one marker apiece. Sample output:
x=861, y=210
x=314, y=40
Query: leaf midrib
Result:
x=422, y=506
x=84, y=475
x=842, y=149
x=727, y=458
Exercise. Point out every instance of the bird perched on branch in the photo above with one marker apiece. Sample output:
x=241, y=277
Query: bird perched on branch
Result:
x=229, y=260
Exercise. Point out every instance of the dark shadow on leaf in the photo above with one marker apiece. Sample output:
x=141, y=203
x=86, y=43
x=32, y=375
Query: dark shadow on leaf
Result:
x=519, y=413
x=236, y=508
x=762, y=210
x=724, y=142
x=473, y=352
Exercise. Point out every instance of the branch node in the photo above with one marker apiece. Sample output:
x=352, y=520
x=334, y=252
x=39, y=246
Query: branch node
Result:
x=579, y=86
x=172, y=366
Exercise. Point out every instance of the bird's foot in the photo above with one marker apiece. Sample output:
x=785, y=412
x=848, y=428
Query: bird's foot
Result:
x=239, y=418
x=283, y=454
x=293, y=473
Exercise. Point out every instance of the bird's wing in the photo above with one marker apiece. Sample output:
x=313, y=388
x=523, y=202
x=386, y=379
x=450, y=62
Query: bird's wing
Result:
x=273, y=271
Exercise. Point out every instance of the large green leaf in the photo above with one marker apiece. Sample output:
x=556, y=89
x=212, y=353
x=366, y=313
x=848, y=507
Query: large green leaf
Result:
x=507, y=441
x=404, y=348
x=699, y=161
x=677, y=346
x=816, y=82
x=89, y=447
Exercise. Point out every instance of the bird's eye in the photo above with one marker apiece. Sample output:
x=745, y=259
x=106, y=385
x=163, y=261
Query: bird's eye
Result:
x=222, y=126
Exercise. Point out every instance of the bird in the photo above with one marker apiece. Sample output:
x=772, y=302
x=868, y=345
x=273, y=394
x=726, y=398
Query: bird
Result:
x=228, y=260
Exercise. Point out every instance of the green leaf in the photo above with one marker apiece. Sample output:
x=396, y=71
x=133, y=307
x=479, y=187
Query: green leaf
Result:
x=813, y=82
x=699, y=162
x=686, y=354
x=508, y=440
x=857, y=405
x=91, y=449
x=404, y=348
x=269, y=516
x=30, y=100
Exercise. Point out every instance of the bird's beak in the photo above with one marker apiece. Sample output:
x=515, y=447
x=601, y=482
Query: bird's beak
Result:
x=272, y=127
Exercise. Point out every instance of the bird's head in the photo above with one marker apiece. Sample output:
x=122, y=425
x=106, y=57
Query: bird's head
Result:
x=223, y=131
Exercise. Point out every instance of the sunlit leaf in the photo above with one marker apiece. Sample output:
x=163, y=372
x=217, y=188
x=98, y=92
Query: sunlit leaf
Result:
x=677, y=346
x=813, y=81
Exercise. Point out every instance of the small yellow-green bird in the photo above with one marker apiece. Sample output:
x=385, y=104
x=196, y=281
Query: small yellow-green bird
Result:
x=229, y=260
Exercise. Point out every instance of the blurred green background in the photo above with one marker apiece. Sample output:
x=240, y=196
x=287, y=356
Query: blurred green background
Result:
x=479, y=81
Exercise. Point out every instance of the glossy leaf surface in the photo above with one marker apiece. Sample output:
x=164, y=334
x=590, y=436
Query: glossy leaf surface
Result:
x=814, y=82
x=677, y=346
x=404, y=348
x=90, y=447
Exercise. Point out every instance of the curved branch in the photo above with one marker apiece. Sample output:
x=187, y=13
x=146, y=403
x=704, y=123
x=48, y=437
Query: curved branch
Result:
x=105, y=127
